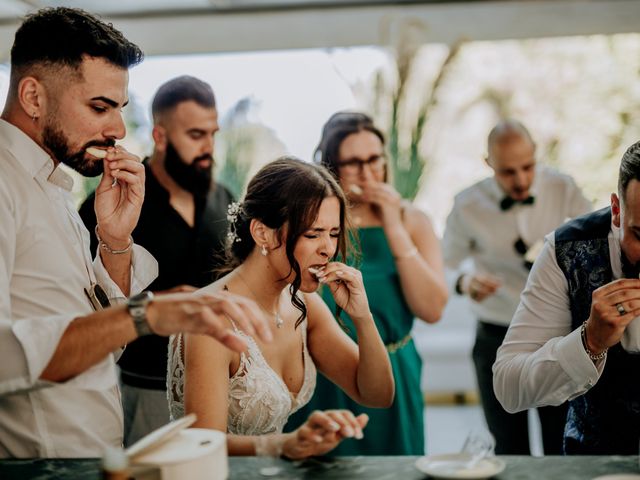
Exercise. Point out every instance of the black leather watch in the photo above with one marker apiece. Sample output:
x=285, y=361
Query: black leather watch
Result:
x=137, y=307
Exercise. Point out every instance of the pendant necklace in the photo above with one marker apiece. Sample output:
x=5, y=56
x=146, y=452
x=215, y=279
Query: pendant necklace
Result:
x=276, y=314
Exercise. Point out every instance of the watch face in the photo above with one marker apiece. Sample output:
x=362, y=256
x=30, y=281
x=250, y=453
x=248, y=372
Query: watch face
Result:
x=141, y=298
x=137, y=306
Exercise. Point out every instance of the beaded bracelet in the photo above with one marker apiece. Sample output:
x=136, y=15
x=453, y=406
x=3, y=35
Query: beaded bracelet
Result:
x=108, y=249
x=592, y=356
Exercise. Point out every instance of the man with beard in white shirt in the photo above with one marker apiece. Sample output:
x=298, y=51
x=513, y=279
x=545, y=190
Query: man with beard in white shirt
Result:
x=495, y=223
x=58, y=386
x=183, y=224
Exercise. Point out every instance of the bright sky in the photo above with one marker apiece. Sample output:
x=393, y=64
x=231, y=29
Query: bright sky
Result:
x=296, y=90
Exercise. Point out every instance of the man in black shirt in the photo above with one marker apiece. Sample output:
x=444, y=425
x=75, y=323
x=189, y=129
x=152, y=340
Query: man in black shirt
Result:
x=182, y=224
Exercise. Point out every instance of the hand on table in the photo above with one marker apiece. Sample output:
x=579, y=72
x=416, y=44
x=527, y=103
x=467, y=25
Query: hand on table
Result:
x=322, y=432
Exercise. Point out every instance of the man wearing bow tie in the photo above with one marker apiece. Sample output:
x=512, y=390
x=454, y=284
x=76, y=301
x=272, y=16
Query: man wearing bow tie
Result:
x=497, y=224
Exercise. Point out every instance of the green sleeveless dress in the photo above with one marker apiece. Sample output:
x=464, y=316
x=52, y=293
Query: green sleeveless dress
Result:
x=399, y=429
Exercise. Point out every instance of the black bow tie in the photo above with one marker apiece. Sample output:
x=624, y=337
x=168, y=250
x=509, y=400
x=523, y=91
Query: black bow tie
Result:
x=507, y=202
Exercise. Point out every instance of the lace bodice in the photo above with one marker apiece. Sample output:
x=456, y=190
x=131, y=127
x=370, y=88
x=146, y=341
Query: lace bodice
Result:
x=259, y=400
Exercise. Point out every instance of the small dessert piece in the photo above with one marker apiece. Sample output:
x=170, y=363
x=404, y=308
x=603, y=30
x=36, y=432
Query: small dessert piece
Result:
x=96, y=152
x=316, y=272
x=353, y=188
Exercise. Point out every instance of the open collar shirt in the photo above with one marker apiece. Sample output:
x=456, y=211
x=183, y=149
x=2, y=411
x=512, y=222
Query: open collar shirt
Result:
x=477, y=229
x=45, y=263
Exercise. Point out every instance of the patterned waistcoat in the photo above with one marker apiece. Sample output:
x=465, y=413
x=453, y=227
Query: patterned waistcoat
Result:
x=606, y=419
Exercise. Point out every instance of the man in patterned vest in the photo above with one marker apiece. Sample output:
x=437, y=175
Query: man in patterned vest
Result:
x=575, y=335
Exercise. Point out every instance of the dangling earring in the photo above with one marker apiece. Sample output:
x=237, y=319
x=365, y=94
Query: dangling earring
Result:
x=33, y=117
x=263, y=251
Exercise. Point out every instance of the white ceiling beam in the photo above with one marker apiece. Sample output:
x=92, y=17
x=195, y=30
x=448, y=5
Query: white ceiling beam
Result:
x=185, y=33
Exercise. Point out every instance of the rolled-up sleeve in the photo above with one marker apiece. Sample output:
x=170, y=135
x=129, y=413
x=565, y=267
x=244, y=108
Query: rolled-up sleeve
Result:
x=542, y=360
x=144, y=270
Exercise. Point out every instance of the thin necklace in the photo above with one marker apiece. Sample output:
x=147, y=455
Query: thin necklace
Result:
x=276, y=314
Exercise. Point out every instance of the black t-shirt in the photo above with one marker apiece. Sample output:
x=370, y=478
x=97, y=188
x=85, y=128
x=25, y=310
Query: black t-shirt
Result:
x=185, y=255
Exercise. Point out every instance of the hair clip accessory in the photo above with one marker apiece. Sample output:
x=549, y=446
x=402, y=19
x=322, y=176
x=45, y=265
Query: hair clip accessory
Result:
x=233, y=210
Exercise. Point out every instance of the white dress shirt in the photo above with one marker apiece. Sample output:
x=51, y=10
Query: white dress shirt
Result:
x=478, y=229
x=45, y=264
x=542, y=361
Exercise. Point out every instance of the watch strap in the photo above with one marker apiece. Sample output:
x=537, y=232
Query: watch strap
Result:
x=137, y=307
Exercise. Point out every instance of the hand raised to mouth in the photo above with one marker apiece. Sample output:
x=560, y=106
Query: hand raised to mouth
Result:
x=101, y=154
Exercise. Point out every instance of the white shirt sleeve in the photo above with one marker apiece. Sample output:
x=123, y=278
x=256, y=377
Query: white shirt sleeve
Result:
x=29, y=343
x=455, y=246
x=455, y=242
x=26, y=345
x=542, y=361
x=144, y=270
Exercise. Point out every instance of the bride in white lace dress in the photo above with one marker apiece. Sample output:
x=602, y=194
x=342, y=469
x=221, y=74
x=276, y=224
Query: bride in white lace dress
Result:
x=283, y=240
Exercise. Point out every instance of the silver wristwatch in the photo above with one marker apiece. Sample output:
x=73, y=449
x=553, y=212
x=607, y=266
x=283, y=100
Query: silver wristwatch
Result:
x=137, y=307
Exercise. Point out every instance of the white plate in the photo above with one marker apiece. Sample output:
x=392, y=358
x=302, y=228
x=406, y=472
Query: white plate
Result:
x=619, y=476
x=452, y=466
x=160, y=436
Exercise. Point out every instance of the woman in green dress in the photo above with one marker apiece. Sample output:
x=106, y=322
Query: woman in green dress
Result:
x=403, y=274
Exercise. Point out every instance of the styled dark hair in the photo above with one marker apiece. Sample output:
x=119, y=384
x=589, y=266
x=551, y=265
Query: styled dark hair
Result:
x=182, y=89
x=339, y=126
x=629, y=169
x=286, y=195
x=61, y=36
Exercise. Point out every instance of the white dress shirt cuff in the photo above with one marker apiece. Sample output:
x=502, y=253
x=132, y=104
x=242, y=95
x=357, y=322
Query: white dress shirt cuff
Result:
x=576, y=363
x=144, y=270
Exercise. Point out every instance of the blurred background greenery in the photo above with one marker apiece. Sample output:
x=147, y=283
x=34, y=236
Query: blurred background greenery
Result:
x=436, y=103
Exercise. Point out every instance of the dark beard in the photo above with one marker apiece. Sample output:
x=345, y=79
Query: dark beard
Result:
x=629, y=270
x=190, y=177
x=55, y=141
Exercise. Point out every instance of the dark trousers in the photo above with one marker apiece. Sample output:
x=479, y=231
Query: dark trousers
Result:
x=511, y=429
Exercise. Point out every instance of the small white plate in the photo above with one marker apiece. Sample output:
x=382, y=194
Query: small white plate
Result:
x=160, y=436
x=452, y=466
x=619, y=476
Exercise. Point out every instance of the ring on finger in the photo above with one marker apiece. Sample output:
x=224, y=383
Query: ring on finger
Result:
x=621, y=309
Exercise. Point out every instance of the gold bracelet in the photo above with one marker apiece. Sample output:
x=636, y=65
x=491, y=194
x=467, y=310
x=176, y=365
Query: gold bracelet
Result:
x=413, y=251
x=108, y=249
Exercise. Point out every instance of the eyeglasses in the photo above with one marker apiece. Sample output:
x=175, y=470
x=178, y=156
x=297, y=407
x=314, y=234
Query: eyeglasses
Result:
x=97, y=296
x=354, y=166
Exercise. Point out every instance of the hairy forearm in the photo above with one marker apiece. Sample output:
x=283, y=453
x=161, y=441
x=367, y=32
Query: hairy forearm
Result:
x=87, y=341
x=118, y=265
